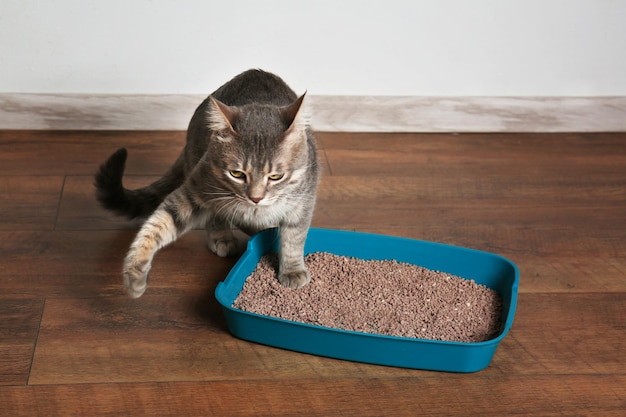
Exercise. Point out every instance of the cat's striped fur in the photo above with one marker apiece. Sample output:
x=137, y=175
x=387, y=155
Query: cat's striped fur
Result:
x=250, y=163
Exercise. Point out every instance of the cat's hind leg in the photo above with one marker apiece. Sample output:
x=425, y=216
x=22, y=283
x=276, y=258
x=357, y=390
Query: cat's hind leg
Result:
x=225, y=241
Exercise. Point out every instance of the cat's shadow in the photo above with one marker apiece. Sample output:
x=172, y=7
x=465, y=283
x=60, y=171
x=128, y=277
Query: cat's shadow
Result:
x=207, y=308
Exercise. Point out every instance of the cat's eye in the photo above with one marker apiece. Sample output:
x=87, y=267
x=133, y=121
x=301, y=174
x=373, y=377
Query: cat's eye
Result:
x=276, y=177
x=237, y=174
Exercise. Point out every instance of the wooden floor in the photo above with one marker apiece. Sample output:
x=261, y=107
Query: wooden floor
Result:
x=72, y=344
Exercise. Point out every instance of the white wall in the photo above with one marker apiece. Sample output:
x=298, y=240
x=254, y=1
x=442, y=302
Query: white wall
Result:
x=332, y=47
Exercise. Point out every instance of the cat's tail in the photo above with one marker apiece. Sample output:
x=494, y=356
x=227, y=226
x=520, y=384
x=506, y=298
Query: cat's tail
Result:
x=132, y=204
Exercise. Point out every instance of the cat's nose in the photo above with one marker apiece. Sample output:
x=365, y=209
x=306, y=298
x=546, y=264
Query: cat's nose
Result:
x=256, y=200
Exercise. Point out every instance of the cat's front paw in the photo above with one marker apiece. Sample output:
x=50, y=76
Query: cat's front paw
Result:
x=135, y=277
x=294, y=279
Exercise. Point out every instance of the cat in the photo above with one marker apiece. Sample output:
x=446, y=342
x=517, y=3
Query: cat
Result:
x=249, y=163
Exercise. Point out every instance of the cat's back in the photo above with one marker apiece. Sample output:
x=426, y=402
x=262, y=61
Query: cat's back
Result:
x=255, y=86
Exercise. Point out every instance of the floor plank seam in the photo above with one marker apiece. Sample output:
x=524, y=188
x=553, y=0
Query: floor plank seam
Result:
x=32, y=358
x=58, y=209
x=330, y=168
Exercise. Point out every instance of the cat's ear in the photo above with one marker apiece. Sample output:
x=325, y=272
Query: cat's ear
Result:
x=294, y=115
x=220, y=116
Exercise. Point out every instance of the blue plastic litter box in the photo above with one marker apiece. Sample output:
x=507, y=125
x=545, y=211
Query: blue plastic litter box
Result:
x=485, y=268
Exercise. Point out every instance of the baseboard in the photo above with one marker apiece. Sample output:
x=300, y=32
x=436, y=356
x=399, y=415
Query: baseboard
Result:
x=328, y=113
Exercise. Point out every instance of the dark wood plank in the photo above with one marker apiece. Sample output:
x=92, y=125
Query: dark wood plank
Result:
x=87, y=264
x=19, y=323
x=425, y=395
x=186, y=337
x=585, y=333
x=29, y=202
x=473, y=154
x=82, y=152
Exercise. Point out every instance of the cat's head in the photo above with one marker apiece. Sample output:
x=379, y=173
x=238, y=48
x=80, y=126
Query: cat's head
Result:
x=259, y=152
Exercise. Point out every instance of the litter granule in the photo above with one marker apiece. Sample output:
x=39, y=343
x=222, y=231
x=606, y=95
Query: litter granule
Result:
x=383, y=297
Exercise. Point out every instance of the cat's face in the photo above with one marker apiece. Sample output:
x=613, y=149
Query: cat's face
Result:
x=258, y=152
x=259, y=179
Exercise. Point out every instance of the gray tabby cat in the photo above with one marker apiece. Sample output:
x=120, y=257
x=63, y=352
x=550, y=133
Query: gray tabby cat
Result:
x=249, y=163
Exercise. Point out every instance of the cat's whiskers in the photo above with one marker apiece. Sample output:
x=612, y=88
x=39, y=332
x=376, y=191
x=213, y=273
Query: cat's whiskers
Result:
x=221, y=195
x=225, y=210
x=234, y=213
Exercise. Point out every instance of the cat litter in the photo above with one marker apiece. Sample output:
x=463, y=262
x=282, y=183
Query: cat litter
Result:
x=376, y=299
x=380, y=296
